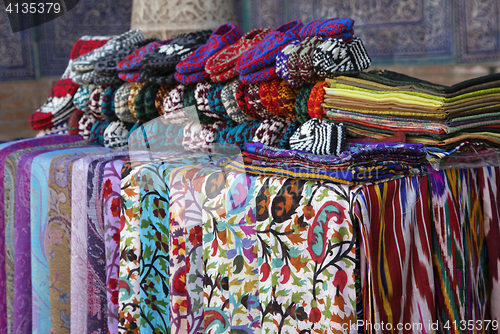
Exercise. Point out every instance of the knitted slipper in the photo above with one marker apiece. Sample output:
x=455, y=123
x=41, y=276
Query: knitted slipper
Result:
x=131, y=76
x=174, y=100
x=266, y=98
x=107, y=66
x=226, y=58
x=115, y=135
x=60, y=98
x=231, y=105
x=264, y=74
x=108, y=81
x=85, y=125
x=201, y=95
x=140, y=110
x=270, y=131
x=300, y=63
x=82, y=96
x=287, y=133
x=159, y=79
x=122, y=109
x=192, y=77
x=73, y=121
x=334, y=56
x=320, y=138
x=226, y=34
x=87, y=62
x=282, y=66
x=133, y=61
x=301, y=103
x=264, y=53
x=330, y=28
x=239, y=94
x=134, y=91
x=255, y=106
x=166, y=57
x=215, y=101
x=314, y=108
x=286, y=100
x=95, y=102
x=162, y=93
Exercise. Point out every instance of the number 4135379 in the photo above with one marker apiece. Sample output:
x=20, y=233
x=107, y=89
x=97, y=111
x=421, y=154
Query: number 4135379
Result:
x=33, y=8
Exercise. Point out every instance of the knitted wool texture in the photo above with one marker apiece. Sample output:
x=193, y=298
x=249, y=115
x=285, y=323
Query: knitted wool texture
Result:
x=238, y=134
x=264, y=53
x=139, y=102
x=231, y=105
x=192, y=78
x=173, y=102
x=254, y=104
x=145, y=102
x=215, y=101
x=86, y=62
x=58, y=107
x=165, y=58
x=130, y=76
x=287, y=133
x=159, y=79
x=85, y=125
x=201, y=95
x=266, y=98
x=106, y=102
x=286, y=100
x=95, y=102
x=263, y=74
x=320, y=138
x=301, y=103
x=115, y=135
x=330, y=28
x=226, y=34
x=315, y=110
x=221, y=65
x=239, y=94
x=300, y=63
x=270, y=131
x=282, y=66
x=82, y=96
x=226, y=58
x=73, y=121
x=334, y=56
x=122, y=108
x=133, y=61
x=189, y=99
x=134, y=90
x=162, y=93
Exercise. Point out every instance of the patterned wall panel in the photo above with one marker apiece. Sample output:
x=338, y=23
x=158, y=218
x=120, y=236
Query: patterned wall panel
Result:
x=16, y=51
x=89, y=17
x=390, y=29
x=478, y=34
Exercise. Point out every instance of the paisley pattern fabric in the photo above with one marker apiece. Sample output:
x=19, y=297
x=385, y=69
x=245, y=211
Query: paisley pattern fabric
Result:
x=16, y=218
x=40, y=251
x=396, y=226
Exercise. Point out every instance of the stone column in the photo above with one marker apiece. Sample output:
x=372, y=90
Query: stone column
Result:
x=167, y=18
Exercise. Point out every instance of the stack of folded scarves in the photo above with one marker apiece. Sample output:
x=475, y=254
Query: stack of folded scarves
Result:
x=379, y=104
x=358, y=163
